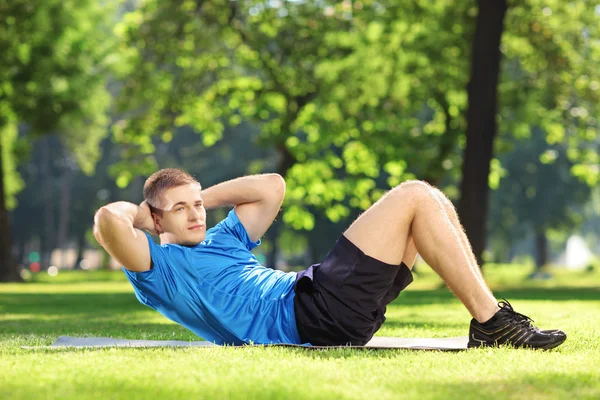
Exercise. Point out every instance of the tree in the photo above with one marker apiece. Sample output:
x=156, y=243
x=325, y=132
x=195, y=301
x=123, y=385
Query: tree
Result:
x=54, y=57
x=353, y=94
x=350, y=97
x=537, y=193
x=481, y=122
x=549, y=79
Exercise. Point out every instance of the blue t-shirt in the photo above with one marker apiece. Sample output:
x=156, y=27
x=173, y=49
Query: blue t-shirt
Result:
x=218, y=290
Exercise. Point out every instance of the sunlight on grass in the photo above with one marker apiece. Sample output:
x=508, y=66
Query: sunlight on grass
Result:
x=36, y=314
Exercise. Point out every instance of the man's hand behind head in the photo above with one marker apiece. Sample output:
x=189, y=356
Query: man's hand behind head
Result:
x=144, y=220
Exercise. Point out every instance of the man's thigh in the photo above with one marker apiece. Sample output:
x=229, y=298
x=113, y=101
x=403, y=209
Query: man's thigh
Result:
x=343, y=299
x=383, y=231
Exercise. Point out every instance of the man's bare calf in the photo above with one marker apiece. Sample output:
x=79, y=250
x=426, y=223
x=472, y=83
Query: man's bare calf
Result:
x=415, y=216
x=415, y=212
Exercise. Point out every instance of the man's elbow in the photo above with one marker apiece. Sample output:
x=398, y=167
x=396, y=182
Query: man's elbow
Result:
x=100, y=220
x=97, y=234
x=279, y=183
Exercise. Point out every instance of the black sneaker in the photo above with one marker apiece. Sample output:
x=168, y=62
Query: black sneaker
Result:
x=508, y=327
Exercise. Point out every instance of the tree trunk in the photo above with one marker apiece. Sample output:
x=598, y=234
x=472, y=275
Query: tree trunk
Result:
x=80, y=249
x=49, y=232
x=313, y=253
x=481, y=122
x=511, y=253
x=285, y=163
x=64, y=207
x=8, y=268
x=541, y=253
x=20, y=246
x=105, y=261
x=273, y=236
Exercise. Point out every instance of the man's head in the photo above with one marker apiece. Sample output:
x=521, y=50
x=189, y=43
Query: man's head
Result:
x=176, y=206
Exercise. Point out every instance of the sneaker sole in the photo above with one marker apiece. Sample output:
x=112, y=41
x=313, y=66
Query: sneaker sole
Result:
x=546, y=347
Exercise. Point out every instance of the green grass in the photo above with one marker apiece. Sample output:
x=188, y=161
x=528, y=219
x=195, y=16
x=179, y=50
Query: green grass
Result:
x=102, y=304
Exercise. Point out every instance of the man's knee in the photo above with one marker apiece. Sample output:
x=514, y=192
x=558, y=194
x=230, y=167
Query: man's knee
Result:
x=413, y=186
x=442, y=197
x=420, y=192
x=413, y=190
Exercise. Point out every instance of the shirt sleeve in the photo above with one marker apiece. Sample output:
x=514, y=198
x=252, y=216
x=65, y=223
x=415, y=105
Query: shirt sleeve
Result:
x=155, y=284
x=232, y=225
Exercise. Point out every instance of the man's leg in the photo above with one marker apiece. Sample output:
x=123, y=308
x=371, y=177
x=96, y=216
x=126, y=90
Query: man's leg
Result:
x=463, y=236
x=410, y=254
x=416, y=212
x=413, y=211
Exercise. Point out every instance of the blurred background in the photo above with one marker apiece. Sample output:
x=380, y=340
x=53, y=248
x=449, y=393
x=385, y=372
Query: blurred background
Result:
x=495, y=102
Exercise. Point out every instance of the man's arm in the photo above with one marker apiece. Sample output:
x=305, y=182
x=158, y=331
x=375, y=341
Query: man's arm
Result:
x=257, y=200
x=117, y=228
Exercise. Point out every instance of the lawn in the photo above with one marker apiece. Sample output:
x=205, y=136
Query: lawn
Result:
x=103, y=304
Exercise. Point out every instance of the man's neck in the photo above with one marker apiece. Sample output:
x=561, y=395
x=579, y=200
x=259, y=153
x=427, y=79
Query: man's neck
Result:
x=167, y=238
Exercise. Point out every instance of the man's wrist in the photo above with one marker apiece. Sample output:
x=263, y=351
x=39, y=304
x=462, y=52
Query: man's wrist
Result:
x=242, y=190
x=139, y=218
x=208, y=200
x=124, y=210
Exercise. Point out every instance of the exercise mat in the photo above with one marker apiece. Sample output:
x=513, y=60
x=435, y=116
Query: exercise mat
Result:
x=378, y=342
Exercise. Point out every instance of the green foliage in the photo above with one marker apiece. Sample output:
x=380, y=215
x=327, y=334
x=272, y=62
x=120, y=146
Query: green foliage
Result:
x=345, y=84
x=551, y=78
x=536, y=195
x=496, y=173
x=550, y=82
x=55, y=57
x=375, y=91
x=12, y=181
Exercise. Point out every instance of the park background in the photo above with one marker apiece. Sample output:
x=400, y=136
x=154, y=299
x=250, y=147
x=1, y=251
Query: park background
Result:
x=494, y=102
x=344, y=99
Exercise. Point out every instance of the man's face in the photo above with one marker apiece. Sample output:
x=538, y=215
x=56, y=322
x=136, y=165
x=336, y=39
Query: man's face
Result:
x=184, y=217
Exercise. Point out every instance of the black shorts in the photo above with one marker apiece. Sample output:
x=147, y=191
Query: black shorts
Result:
x=342, y=301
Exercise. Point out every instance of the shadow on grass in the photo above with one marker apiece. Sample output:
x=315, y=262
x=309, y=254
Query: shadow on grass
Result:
x=70, y=277
x=115, y=302
x=120, y=314
x=444, y=296
x=64, y=304
x=544, y=385
x=104, y=314
x=88, y=327
x=555, y=294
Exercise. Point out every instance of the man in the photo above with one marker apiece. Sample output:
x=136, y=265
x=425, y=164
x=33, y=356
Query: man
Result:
x=210, y=282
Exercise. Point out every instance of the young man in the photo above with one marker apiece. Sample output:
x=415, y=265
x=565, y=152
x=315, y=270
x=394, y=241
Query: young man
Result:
x=210, y=282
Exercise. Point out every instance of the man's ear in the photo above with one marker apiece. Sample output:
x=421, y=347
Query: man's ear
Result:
x=157, y=224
